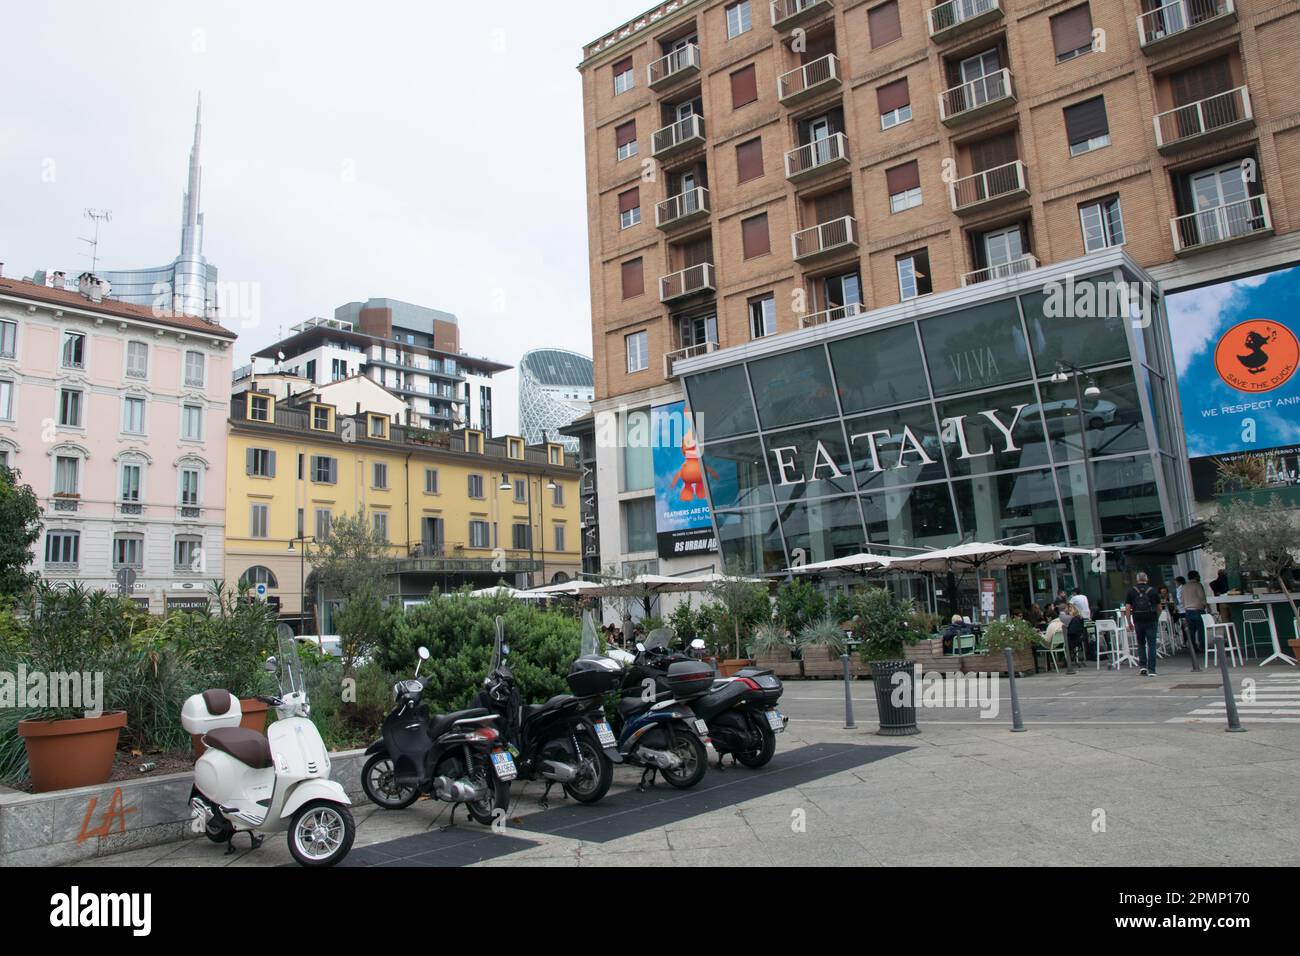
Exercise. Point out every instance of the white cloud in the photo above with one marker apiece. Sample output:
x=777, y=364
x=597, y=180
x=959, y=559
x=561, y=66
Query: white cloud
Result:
x=1194, y=317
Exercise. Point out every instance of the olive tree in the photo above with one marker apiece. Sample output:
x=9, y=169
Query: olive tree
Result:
x=1263, y=538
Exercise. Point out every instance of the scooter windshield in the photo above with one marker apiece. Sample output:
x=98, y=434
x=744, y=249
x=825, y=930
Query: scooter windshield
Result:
x=291, y=677
x=592, y=645
x=658, y=639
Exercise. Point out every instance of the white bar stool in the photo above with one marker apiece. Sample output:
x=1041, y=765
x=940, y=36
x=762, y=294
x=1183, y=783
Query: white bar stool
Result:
x=1230, y=645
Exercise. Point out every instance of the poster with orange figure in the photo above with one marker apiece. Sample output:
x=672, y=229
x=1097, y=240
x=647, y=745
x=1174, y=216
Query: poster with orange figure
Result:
x=683, y=520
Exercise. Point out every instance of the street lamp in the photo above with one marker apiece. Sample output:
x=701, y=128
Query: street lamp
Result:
x=507, y=485
x=302, y=582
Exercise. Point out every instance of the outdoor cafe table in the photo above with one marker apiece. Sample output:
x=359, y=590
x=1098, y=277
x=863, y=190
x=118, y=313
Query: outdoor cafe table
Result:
x=1269, y=600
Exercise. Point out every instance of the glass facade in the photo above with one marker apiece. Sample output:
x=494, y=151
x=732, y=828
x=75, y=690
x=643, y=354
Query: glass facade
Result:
x=940, y=428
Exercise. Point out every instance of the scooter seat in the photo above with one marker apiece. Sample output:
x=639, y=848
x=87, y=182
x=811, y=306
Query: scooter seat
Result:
x=627, y=706
x=247, y=746
x=559, y=700
x=442, y=722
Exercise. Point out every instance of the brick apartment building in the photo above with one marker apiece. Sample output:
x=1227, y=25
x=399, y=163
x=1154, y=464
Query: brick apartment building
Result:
x=765, y=177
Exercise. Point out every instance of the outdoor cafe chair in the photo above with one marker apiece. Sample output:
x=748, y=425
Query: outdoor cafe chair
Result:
x=1251, y=618
x=963, y=644
x=1230, y=644
x=1108, y=635
x=1056, y=647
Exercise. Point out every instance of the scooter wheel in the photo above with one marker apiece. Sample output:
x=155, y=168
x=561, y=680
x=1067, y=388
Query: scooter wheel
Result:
x=592, y=789
x=485, y=810
x=695, y=760
x=321, y=833
x=758, y=758
x=380, y=789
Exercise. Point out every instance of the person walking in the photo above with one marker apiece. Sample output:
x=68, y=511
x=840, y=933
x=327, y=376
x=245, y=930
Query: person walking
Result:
x=1142, y=606
x=1194, y=606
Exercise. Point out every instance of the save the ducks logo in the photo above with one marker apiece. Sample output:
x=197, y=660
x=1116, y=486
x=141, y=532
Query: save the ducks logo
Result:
x=1257, y=356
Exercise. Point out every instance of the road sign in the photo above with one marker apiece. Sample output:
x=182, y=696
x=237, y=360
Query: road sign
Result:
x=261, y=590
x=125, y=580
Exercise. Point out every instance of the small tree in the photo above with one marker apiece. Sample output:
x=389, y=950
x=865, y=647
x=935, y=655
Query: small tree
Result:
x=798, y=604
x=1259, y=537
x=20, y=527
x=353, y=563
x=744, y=602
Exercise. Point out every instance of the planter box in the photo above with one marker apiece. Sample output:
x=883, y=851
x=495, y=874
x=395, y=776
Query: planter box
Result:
x=824, y=664
x=782, y=665
x=996, y=663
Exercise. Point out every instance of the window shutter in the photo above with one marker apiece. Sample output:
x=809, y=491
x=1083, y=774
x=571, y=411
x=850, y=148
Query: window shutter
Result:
x=754, y=237
x=884, y=24
x=334, y=471
x=248, y=461
x=902, y=178
x=834, y=206
x=993, y=152
x=270, y=463
x=698, y=252
x=625, y=134
x=629, y=200
x=744, y=87
x=633, y=279
x=892, y=96
x=749, y=160
x=1072, y=30
x=622, y=66
x=1086, y=120
x=1201, y=81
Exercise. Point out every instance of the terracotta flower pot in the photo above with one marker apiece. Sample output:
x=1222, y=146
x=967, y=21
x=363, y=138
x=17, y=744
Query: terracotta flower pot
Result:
x=254, y=718
x=63, y=754
x=1295, y=649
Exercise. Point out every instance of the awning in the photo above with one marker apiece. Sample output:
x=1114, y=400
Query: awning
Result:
x=1191, y=538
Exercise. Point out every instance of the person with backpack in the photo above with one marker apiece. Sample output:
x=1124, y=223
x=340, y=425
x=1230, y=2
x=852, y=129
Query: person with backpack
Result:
x=1142, y=605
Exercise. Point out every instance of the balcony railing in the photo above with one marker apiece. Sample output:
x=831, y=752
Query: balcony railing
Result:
x=67, y=503
x=1214, y=114
x=991, y=185
x=956, y=16
x=1219, y=224
x=786, y=13
x=1002, y=270
x=825, y=237
x=690, y=281
x=977, y=97
x=832, y=314
x=808, y=80
x=682, y=208
x=682, y=62
x=1180, y=17
x=703, y=348
x=820, y=154
x=675, y=136
x=130, y=509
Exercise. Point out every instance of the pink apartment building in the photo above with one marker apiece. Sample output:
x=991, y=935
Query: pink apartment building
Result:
x=116, y=418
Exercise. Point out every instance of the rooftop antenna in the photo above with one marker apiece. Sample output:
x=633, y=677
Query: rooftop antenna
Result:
x=97, y=216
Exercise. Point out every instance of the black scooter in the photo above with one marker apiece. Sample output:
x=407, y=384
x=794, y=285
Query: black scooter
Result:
x=453, y=757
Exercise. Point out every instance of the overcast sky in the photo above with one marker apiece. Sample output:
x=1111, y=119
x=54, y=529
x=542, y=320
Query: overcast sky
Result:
x=431, y=152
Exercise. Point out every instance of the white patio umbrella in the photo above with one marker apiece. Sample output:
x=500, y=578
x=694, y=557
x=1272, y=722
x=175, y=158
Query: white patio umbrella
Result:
x=861, y=562
x=566, y=589
x=504, y=590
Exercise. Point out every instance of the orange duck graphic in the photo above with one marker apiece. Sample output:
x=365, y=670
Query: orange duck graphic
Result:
x=1255, y=360
x=691, y=474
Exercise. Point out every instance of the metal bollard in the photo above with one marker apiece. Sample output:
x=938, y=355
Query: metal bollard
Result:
x=1017, y=721
x=1234, y=721
x=848, y=695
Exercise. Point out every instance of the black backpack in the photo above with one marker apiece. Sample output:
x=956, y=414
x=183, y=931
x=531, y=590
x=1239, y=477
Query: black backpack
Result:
x=1142, y=604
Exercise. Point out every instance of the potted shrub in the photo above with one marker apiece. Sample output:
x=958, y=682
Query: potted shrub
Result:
x=744, y=606
x=772, y=648
x=69, y=743
x=1016, y=634
x=822, y=642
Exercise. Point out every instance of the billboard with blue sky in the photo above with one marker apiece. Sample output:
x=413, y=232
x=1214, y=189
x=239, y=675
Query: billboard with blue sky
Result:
x=682, y=518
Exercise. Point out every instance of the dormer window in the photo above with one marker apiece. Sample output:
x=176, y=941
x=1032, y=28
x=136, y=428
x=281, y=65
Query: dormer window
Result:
x=378, y=427
x=322, y=418
x=259, y=408
x=515, y=448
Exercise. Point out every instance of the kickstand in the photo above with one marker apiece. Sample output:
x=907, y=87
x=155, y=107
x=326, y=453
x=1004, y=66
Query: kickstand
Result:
x=647, y=779
x=544, y=802
x=720, y=758
x=254, y=840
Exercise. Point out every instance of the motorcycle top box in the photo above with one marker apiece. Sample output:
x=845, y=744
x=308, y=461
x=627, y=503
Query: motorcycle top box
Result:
x=769, y=684
x=690, y=678
x=594, y=676
x=210, y=710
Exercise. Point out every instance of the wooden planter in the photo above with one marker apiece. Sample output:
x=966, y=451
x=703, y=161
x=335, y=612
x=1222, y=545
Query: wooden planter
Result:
x=63, y=754
x=823, y=663
x=782, y=665
x=729, y=666
x=996, y=663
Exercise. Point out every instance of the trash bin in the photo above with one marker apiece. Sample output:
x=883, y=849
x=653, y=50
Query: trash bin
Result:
x=895, y=721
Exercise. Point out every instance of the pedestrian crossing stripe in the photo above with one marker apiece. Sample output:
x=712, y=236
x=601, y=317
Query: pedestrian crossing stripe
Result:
x=1275, y=699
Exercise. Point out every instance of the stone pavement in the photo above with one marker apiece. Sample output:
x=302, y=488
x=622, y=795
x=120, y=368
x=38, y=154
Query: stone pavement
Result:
x=1114, y=769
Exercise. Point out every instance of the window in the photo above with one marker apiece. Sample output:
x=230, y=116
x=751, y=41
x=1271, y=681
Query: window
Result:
x=260, y=462
x=62, y=548
x=311, y=370
x=195, y=369
x=70, y=407
x=894, y=102
x=633, y=279
x=1072, y=33
x=762, y=316
x=904, y=185
x=639, y=522
x=324, y=470
x=884, y=24
x=133, y=415
x=192, y=423
x=189, y=553
x=6, y=400
x=749, y=160
x=629, y=208
x=431, y=481
x=521, y=537
x=754, y=238
x=914, y=274
x=259, y=408
x=137, y=360
x=624, y=77
x=338, y=370
x=130, y=491
x=259, y=516
x=625, y=140
x=521, y=490
x=128, y=551
x=74, y=350
x=320, y=418
x=301, y=523
x=479, y=534
x=8, y=339
x=1103, y=224
x=557, y=495
x=476, y=486
x=258, y=575
x=744, y=87
x=380, y=475
x=559, y=537
x=378, y=426
x=740, y=19
x=638, y=351
x=473, y=443
x=381, y=525
x=1086, y=127
x=67, y=475
x=324, y=524
x=189, y=487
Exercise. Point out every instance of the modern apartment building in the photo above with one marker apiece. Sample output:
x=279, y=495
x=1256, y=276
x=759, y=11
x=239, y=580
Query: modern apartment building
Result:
x=457, y=507
x=116, y=418
x=412, y=351
x=769, y=179
x=555, y=387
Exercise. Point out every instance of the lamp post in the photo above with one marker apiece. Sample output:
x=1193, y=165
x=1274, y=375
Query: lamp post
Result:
x=1065, y=372
x=302, y=582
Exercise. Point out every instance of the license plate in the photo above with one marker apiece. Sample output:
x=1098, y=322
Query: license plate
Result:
x=774, y=720
x=504, y=765
x=701, y=726
x=605, y=735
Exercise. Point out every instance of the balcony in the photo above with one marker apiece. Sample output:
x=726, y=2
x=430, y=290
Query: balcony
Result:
x=787, y=13
x=956, y=17
x=1181, y=18
x=809, y=80
x=677, y=65
x=1215, y=115
x=825, y=238
x=130, y=509
x=690, y=281
x=832, y=315
x=976, y=98
x=189, y=512
x=817, y=157
x=1003, y=270
x=703, y=348
x=682, y=209
x=66, y=503
x=1220, y=225
x=676, y=137
x=992, y=186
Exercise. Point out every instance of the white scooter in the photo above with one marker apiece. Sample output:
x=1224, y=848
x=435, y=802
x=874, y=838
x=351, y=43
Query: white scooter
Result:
x=249, y=783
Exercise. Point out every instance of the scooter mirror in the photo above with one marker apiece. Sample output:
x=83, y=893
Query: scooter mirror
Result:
x=270, y=666
x=505, y=650
x=697, y=645
x=640, y=646
x=424, y=653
